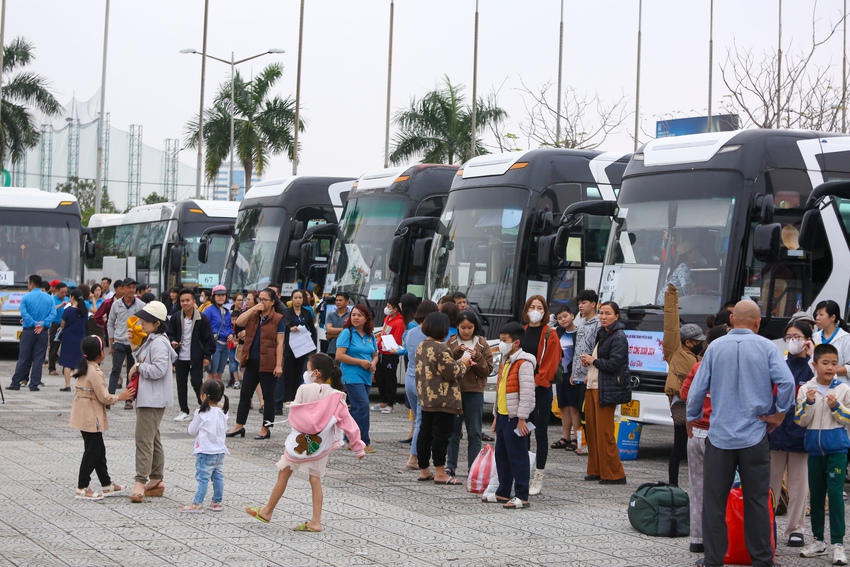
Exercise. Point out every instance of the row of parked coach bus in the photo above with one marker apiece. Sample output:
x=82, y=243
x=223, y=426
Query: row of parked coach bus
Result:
x=765, y=214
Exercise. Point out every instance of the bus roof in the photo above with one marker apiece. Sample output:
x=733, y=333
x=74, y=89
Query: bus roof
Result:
x=31, y=198
x=416, y=181
x=296, y=192
x=748, y=151
x=96, y=221
x=165, y=211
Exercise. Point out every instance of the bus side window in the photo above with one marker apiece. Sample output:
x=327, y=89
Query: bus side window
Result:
x=431, y=207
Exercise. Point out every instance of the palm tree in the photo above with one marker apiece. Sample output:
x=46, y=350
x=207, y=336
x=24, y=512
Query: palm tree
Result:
x=22, y=92
x=262, y=124
x=438, y=126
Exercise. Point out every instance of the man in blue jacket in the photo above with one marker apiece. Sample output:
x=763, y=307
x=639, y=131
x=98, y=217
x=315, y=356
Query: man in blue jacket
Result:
x=37, y=313
x=740, y=370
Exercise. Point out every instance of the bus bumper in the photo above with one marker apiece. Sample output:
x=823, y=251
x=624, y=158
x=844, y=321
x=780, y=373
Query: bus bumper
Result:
x=647, y=407
x=10, y=333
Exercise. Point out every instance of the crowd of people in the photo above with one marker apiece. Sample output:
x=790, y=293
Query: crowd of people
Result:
x=776, y=418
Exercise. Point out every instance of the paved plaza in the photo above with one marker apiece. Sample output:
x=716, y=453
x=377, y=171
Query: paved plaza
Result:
x=373, y=514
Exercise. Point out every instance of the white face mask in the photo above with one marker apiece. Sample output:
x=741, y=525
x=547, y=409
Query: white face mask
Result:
x=535, y=316
x=308, y=377
x=505, y=348
x=795, y=346
x=388, y=311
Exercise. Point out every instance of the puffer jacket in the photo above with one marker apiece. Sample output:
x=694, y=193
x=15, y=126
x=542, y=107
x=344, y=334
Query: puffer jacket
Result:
x=475, y=379
x=91, y=396
x=520, y=387
x=612, y=360
x=679, y=359
x=789, y=436
x=155, y=358
x=437, y=376
x=826, y=432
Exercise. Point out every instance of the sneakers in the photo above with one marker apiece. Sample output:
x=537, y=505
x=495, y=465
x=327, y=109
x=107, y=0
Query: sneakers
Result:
x=815, y=549
x=377, y=407
x=536, y=483
x=838, y=556
x=387, y=409
x=182, y=416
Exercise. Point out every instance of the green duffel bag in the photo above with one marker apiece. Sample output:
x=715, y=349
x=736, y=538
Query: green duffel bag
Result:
x=659, y=509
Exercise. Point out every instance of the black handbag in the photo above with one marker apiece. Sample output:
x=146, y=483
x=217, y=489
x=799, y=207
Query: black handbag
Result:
x=615, y=390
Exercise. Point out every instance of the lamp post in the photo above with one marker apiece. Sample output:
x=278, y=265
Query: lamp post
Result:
x=98, y=183
x=233, y=63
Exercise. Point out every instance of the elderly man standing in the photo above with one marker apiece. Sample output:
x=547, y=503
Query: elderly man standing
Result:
x=741, y=370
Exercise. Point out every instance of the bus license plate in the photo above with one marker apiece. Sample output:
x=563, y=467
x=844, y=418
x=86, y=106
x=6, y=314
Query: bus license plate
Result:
x=631, y=409
x=19, y=335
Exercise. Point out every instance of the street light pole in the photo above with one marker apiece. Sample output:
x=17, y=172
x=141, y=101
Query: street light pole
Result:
x=298, y=93
x=473, y=133
x=201, y=111
x=710, y=59
x=2, y=45
x=231, y=197
x=560, y=74
x=389, y=89
x=98, y=183
x=637, y=80
x=779, y=72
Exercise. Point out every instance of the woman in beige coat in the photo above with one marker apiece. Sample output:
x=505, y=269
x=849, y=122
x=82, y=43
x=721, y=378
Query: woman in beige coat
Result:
x=88, y=414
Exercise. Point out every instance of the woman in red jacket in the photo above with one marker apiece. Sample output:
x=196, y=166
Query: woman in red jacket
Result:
x=542, y=342
x=385, y=373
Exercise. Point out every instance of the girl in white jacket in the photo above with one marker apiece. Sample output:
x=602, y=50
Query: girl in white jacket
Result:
x=209, y=428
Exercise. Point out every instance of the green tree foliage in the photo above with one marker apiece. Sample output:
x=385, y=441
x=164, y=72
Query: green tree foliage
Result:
x=22, y=91
x=263, y=124
x=85, y=190
x=438, y=127
x=155, y=198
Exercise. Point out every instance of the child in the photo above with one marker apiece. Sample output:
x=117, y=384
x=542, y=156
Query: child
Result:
x=570, y=396
x=585, y=341
x=88, y=414
x=823, y=408
x=318, y=417
x=514, y=403
x=209, y=428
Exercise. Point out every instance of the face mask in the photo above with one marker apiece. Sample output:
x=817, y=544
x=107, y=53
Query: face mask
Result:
x=505, y=348
x=697, y=348
x=535, y=316
x=795, y=346
x=388, y=311
x=308, y=377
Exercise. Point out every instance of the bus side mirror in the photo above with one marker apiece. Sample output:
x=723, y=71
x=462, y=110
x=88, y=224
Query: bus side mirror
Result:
x=204, y=250
x=298, y=230
x=547, y=258
x=766, y=242
x=764, y=209
x=397, y=250
x=421, y=252
x=809, y=229
x=573, y=250
x=176, y=260
x=304, y=258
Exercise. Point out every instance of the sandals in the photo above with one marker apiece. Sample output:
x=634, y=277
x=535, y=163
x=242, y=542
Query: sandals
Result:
x=452, y=480
x=485, y=437
x=572, y=446
x=493, y=499
x=112, y=489
x=304, y=528
x=192, y=509
x=128, y=405
x=215, y=506
x=254, y=511
x=156, y=490
x=137, y=498
x=560, y=444
x=87, y=494
x=516, y=504
x=426, y=479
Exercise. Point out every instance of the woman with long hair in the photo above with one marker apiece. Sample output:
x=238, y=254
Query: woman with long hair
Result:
x=74, y=328
x=357, y=354
x=263, y=361
x=234, y=350
x=299, y=319
x=412, y=339
x=93, y=303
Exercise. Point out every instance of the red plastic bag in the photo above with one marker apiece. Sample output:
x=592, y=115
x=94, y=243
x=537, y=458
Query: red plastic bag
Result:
x=736, y=553
x=482, y=467
x=134, y=383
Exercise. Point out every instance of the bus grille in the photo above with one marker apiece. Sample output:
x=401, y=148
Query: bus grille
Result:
x=11, y=320
x=649, y=382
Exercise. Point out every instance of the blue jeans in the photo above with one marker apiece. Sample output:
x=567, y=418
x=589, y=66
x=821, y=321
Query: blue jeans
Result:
x=512, y=459
x=473, y=415
x=233, y=364
x=358, y=397
x=206, y=467
x=219, y=358
x=30, y=357
x=413, y=400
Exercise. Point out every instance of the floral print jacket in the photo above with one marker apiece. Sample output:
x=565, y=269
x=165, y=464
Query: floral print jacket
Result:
x=437, y=377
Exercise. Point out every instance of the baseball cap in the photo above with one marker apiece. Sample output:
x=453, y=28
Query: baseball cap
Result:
x=130, y=281
x=153, y=312
x=801, y=316
x=692, y=332
x=219, y=289
x=54, y=283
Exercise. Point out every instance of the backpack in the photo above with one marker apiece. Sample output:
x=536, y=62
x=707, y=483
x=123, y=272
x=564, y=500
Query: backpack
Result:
x=661, y=510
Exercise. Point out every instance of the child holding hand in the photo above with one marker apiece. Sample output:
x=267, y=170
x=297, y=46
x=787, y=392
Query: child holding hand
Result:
x=209, y=427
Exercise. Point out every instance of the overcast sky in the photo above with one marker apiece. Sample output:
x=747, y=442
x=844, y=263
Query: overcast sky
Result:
x=343, y=93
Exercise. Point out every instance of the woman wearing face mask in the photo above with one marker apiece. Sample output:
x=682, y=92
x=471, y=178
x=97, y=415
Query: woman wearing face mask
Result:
x=608, y=385
x=682, y=347
x=541, y=342
x=788, y=457
x=296, y=317
x=833, y=331
x=385, y=374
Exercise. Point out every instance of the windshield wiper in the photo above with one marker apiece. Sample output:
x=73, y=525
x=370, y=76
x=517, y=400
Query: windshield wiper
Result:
x=642, y=309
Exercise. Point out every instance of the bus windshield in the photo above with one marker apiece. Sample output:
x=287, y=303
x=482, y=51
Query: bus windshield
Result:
x=193, y=272
x=672, y=228
x=480, y=255
x=254, y=247
x=43, y=243
x=361, y=254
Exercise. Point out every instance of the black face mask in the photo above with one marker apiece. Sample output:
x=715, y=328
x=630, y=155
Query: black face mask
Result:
x=696, y=349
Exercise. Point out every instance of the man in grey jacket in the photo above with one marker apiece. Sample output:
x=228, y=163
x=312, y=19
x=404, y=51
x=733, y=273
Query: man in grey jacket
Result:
x=119, y=346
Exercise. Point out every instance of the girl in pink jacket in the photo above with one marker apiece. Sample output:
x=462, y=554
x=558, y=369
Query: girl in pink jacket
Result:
x=318, y=417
